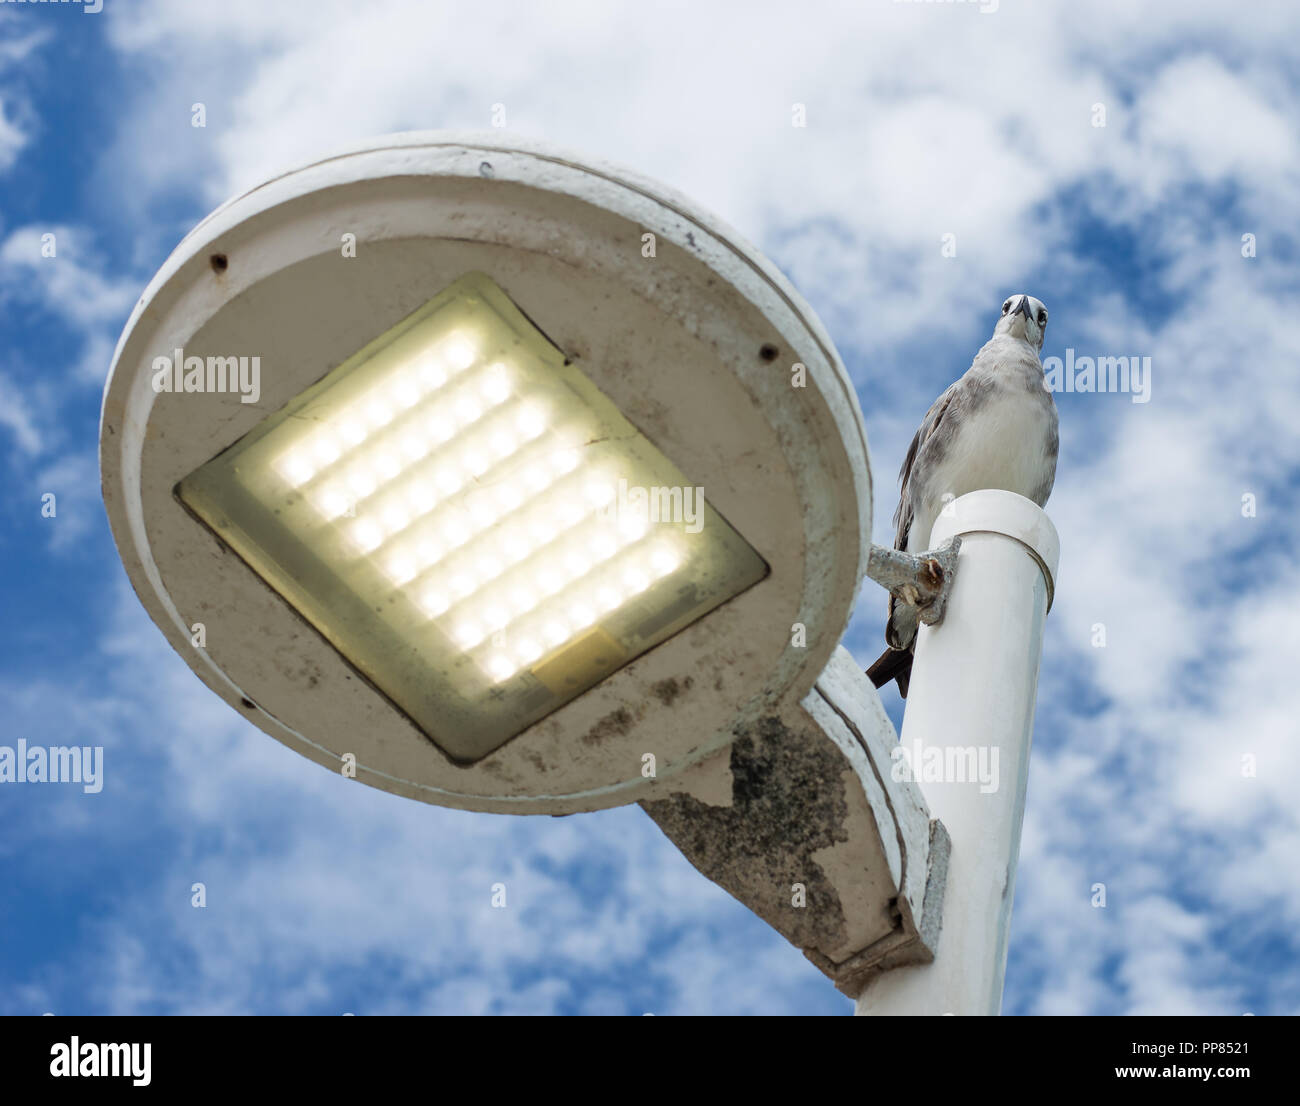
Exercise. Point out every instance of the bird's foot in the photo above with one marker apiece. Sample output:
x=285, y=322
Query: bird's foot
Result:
x=921, y=580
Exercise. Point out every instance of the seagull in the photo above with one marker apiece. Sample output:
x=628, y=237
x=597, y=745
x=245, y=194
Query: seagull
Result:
x=996, y=427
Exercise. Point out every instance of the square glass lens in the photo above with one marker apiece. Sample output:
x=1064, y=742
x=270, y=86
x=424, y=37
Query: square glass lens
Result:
x=470, y=522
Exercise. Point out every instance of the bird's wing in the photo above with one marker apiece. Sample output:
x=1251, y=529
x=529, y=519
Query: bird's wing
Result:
x=929, y=424
x=900, y=627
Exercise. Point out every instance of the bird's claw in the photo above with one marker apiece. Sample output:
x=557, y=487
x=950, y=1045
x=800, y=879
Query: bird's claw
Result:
x=922, y=580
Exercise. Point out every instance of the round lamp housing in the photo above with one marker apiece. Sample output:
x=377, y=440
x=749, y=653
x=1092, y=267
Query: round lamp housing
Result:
x=503, y=479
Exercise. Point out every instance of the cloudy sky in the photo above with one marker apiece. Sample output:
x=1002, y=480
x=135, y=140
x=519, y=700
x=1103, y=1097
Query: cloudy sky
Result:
x=1107, y=157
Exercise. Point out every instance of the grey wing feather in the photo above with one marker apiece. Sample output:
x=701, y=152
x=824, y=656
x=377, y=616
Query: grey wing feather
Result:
x=929, y=424
x=903, y=515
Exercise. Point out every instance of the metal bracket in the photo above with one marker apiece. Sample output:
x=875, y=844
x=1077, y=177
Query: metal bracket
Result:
x=923, y=580
x=868, y=863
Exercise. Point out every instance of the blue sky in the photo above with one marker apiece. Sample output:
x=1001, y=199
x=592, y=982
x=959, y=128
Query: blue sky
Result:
x=923, y=120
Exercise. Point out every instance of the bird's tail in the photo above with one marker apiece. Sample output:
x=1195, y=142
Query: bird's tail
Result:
x=892, y=664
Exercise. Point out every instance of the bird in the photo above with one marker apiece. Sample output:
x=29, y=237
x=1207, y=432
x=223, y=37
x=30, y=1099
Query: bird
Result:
x=995, y=427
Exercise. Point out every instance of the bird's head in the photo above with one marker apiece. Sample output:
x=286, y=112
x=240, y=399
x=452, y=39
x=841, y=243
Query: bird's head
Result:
x=1023, y=317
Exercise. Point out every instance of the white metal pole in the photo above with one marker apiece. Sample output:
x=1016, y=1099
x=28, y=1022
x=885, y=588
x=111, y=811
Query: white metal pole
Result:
x=966, y=737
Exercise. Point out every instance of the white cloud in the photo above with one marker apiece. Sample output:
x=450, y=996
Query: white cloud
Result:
x=17, y=418
x=15, y=109
x=12, y=138
x=70, y=284
x=73, y=480
x=1211, y=124
x=78, y=305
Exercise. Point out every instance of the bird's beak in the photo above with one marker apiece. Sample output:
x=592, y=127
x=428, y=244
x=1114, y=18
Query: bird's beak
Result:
x=1022, y=308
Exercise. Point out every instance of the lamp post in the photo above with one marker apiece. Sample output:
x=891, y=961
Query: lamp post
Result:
x=970, y=716
x=505, y=480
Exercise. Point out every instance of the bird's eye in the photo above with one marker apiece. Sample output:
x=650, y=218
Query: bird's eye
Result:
x=1006, y=307
x=1042, y=318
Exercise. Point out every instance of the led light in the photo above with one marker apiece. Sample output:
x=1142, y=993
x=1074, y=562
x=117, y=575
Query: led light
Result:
x=432, y=375
x=521, y=600
x=483, y=511
x=387, y=464
x=635, y=581
x=664, y=561
x=455, y=533
x=378, y=414
x=459, y=352
x=475, y=462
x=549, y=581
x=331, y=500
x=599, y=493
x=353, y=431
x=632, y=528
x=401, y=568
x=527, y=650
x=570, y=513
x=508, y=497
x=434, y=602
x=475, y=572
x=496, y=618
x=325, y=450
x=496, y=385
x=413, y=446
x=467, y=409
x=406, y=393
x=564, y=461
x=542, y=531
x=366, y=535
x=428, y=552
x=421, y=497
x=468, y=633
x=395, y=518
x=448, y=480
x=440, y=428
x=502, y=444
x=576, y=564
x=297, y=469
x=500, y=668
x=530, y=421
x=362, y=482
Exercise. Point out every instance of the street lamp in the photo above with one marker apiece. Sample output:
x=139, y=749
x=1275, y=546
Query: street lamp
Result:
x=512, y=482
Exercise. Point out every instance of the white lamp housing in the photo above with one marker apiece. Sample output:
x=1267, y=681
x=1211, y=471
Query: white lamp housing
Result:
x=392, y=514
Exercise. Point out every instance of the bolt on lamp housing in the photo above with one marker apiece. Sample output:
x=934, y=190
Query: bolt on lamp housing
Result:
x=539, y=483
x=470, y=522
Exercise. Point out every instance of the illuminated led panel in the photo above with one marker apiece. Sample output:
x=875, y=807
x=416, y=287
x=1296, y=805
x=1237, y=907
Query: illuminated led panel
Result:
x=470, y=522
